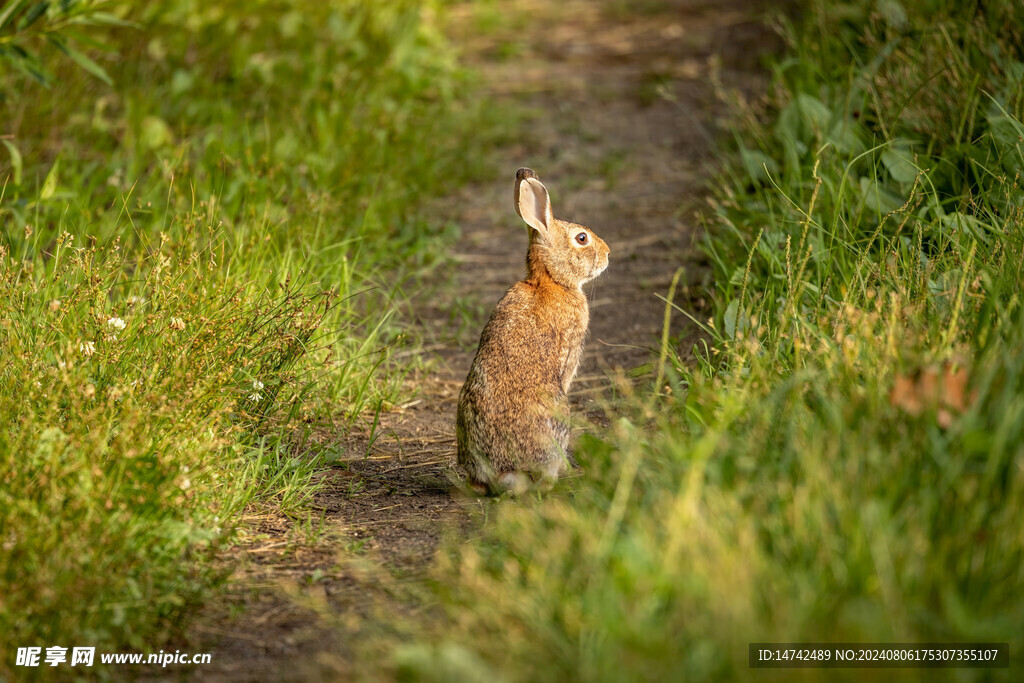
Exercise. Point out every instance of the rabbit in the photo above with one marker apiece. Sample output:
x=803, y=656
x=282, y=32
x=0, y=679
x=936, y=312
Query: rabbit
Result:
x=512, y=425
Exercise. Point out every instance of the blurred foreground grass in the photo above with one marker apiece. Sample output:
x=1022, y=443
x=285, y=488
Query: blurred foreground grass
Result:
x=846, y=462
x=195, y=263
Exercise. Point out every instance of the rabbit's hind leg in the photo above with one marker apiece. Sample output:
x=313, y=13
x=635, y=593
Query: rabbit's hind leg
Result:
x=517, y=483
x=477, y=488
x=556, y=466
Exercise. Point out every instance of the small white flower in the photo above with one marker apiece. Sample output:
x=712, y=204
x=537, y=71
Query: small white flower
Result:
x=117, y=323
x=88, y=348
x=186, y=484
x=255, y=397
x=257, y=385
x=176, y=324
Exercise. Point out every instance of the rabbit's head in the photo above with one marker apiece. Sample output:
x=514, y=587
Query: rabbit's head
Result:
x=570, y=254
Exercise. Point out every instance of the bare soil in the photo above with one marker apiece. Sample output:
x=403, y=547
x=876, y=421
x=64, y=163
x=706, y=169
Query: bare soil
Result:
x=623, y=113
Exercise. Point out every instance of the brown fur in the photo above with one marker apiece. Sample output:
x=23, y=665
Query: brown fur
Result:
x=513, y=414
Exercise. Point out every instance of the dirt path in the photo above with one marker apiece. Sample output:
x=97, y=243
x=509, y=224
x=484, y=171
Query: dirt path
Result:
x=624, y=120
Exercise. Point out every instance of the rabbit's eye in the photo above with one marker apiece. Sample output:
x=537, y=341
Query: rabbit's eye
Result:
x=582, y=239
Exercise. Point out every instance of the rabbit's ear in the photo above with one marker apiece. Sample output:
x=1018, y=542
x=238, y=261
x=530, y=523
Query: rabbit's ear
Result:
x=533, y=204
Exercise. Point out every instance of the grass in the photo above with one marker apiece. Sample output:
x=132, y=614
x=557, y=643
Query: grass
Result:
x=845, y=461
x=199, y=265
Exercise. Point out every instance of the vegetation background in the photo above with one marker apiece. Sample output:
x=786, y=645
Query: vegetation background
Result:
x=210, y=211
x=197, y=223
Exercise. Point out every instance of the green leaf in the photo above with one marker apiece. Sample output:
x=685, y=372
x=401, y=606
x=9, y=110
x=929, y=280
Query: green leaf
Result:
x=154, y=133
x=37, y=72
x=102, y=18
x=1005, y=129
x=878, y=198
x=37, y=10
x=900, y=165
x=85, y=40
x=958, y=221
x=756, y=162
x=27, y=63
x=729, y=319
x=82, y=60
x=803, y=121
x=9, y=10
x=893, y=13
x=16, y=163
x=814, y=112
x=845, y=136
x=50, y=184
